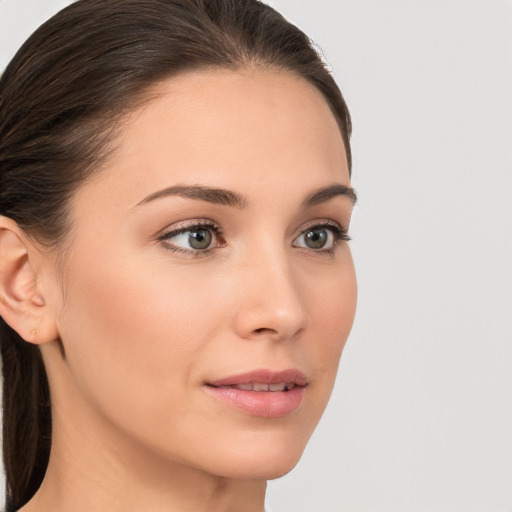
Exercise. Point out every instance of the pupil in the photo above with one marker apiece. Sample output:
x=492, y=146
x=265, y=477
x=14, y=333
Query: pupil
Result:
x=316, y=238
x=200, y=239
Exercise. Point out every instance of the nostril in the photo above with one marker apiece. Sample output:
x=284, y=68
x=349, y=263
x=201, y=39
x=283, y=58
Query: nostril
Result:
x=264, y=329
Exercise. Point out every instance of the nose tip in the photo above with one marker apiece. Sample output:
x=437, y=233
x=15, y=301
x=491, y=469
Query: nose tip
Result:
x=265, y=321
x=271, y=305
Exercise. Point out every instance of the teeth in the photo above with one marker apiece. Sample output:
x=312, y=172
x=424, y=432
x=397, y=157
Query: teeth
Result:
x=257, y=386
x=277, y=387
x=260, y=387
x=246, y=387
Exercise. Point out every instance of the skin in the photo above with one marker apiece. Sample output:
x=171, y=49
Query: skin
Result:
x=142, y=328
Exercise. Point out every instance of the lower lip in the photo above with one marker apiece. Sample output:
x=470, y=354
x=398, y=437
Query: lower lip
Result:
x=267, y=404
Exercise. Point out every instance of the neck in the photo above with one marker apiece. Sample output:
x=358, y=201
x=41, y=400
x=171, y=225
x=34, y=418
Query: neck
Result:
x=82, y=478
x=93, y=466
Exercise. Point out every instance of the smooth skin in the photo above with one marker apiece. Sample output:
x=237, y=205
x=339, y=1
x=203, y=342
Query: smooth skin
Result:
x=145, y=319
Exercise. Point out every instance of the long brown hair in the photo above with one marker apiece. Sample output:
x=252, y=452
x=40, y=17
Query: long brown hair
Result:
x=60, y=100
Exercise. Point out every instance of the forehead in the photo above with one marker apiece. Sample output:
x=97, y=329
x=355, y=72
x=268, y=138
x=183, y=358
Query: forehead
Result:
x=233, y=129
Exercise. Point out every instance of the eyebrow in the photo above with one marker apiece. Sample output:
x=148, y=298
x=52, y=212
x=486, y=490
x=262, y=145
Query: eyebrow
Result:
x=208, y=194
x=325, y=193
x=236, y=200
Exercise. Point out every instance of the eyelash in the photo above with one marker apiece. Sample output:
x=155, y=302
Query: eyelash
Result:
x=197, y=225
x=340, y=235
x=339, y=232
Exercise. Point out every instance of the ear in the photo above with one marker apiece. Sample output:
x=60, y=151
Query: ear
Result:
x=21, y=304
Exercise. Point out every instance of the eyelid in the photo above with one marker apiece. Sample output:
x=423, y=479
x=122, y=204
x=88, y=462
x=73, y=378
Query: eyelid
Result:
x=187, y=225
x=190, y=225
x=338, y=232
x=324, y=223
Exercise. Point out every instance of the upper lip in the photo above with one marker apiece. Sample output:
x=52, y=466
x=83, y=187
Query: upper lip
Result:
x=263, y=376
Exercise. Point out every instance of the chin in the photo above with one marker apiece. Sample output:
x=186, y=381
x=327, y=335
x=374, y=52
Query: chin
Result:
x=262, y=470
x=262, y=461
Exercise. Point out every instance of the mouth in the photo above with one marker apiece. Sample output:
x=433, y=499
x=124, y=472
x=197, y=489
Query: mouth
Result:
x=260, y=386
x=263, y=380
x=263, y=393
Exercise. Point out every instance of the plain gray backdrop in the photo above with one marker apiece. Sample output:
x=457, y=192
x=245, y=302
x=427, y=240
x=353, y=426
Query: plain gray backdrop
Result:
x=421, y=416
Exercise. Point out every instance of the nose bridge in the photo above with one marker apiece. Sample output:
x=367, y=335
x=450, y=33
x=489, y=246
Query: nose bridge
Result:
x=271, y=302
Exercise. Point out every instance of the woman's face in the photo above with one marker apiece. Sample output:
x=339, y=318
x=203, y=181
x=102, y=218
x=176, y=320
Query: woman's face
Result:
x=208, y=273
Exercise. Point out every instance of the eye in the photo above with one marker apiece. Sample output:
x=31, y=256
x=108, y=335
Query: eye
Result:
x=193, y=238
x=321, y=237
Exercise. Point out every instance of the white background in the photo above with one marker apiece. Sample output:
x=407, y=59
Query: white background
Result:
x=421, y=418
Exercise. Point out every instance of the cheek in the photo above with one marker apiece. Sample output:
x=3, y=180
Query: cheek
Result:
x=133, y=331
x=137, y=335
x=332, y=305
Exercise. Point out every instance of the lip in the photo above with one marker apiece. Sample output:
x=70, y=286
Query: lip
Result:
x=266, y=404
x=263, y=376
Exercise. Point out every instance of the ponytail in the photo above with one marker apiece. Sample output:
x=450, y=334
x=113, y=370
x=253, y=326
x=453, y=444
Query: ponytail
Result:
x=26, y=417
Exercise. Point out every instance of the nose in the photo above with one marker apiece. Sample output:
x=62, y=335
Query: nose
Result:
x=270, y=304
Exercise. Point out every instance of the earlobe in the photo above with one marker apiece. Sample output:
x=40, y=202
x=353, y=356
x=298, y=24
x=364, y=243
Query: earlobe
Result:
x=21, y=304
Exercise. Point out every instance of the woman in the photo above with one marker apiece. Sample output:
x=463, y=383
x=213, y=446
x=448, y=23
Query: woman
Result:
x=176, y=286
